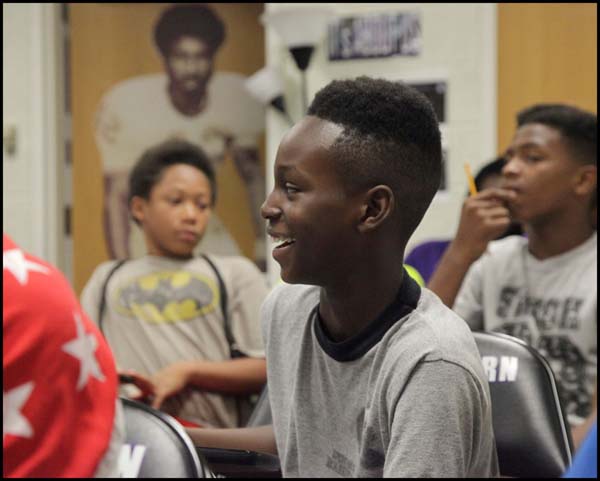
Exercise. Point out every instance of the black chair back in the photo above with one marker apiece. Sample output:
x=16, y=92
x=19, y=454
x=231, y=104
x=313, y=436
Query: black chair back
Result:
x=157, y=446
x=238, y=463
x=532, y=433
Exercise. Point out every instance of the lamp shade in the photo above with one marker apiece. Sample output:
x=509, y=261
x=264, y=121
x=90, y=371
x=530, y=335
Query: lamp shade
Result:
x=264, y=85
x=299, y=27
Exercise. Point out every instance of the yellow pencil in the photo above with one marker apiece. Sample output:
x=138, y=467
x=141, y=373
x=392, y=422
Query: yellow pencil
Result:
x=472, y=186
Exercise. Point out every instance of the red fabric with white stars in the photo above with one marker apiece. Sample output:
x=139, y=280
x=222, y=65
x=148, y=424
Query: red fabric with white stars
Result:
x=50, y=427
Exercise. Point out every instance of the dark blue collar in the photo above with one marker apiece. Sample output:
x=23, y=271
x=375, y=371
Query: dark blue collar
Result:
x=357, y=346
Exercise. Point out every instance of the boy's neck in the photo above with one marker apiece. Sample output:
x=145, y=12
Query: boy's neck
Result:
x=549, y=239
x=170, y=257
x=346, y=310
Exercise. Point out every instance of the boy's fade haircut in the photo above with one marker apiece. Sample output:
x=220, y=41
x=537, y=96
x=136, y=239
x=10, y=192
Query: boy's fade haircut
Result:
x=391, y=136
x=578, y=127
x=188, y=19
x=149, y=169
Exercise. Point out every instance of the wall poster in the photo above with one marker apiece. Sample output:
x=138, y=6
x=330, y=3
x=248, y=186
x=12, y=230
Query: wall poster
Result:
x=142, y=73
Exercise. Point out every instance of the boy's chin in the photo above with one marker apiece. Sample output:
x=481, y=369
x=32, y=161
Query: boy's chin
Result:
x=292, y=278
x=182, y=254
x=285, y=277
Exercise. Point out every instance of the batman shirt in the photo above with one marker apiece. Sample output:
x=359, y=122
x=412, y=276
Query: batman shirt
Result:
x=160, y=311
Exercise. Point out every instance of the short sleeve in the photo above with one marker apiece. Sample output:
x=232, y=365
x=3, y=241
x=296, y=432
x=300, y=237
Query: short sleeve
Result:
x=469, y=300
x=247, y=292
x=92, y=291
x=446, y=428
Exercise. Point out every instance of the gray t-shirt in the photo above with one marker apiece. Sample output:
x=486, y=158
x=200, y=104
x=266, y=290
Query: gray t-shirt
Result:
x=160, y=311
x=405, y=398
x=551, y=304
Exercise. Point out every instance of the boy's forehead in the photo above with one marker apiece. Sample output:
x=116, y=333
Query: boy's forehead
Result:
x=315, y=132
x=307, y=145
x=179, y=174
x=536, y=135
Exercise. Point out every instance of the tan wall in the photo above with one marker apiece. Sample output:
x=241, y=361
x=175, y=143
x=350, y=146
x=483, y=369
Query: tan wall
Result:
x=546, y=53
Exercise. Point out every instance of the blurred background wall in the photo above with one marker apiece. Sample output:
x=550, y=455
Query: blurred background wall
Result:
x=496, y=59
x=458, y=47
x=33, y=121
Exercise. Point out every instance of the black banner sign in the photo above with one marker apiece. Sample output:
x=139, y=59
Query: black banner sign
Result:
x=375, y=36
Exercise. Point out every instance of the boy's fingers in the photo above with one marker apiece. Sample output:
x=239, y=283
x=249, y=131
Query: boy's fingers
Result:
x=499, y=193
x=157, y=401
x=498, y=212
x=142, y=382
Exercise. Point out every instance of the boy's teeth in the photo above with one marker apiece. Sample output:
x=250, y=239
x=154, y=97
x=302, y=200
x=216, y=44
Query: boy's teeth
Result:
x=282, y=240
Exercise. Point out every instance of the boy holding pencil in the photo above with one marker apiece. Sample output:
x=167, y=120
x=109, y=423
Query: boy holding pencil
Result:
x=542, y=287
x=425, y=257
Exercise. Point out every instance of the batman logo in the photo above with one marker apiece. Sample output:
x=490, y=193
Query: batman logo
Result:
x=169, y=296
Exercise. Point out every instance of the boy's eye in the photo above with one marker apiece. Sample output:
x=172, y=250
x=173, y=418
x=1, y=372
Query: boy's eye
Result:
x=174, y=200
x=290, y=188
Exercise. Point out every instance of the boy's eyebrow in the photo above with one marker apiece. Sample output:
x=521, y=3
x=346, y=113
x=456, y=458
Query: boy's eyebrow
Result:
x=286, y=168
x=532, y=144
x=179, y=190
x=528, y=145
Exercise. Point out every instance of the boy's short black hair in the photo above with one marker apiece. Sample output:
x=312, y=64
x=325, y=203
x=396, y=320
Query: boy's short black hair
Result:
x=188, y=19
x=150, y=167
x=391, y=136
x=578, y=127
x=491, y=168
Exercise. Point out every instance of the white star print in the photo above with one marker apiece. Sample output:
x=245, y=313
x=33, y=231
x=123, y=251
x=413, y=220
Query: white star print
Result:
x=15, y=262
x=83, y=348
x=13, y=421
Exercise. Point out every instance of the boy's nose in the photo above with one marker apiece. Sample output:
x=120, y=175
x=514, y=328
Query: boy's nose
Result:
x=190, y=212
x=511, y=167
x=268, y=209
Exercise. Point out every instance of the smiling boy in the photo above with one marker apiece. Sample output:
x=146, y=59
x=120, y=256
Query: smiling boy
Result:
x=369, y=375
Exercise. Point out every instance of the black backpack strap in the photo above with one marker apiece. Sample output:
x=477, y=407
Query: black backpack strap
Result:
x=102, y=306
x=233, y=348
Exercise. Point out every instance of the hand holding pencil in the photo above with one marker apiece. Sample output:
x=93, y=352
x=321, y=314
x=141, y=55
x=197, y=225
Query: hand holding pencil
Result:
x=470, y=179
x=484, y=217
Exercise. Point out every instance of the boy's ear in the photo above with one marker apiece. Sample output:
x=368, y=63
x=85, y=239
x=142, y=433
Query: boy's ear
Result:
x=378, y=205
x=586, y=180
x=136, y=207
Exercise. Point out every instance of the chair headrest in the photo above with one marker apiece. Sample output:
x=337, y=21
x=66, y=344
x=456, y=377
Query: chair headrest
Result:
x=157, y=446
x=532, y=434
